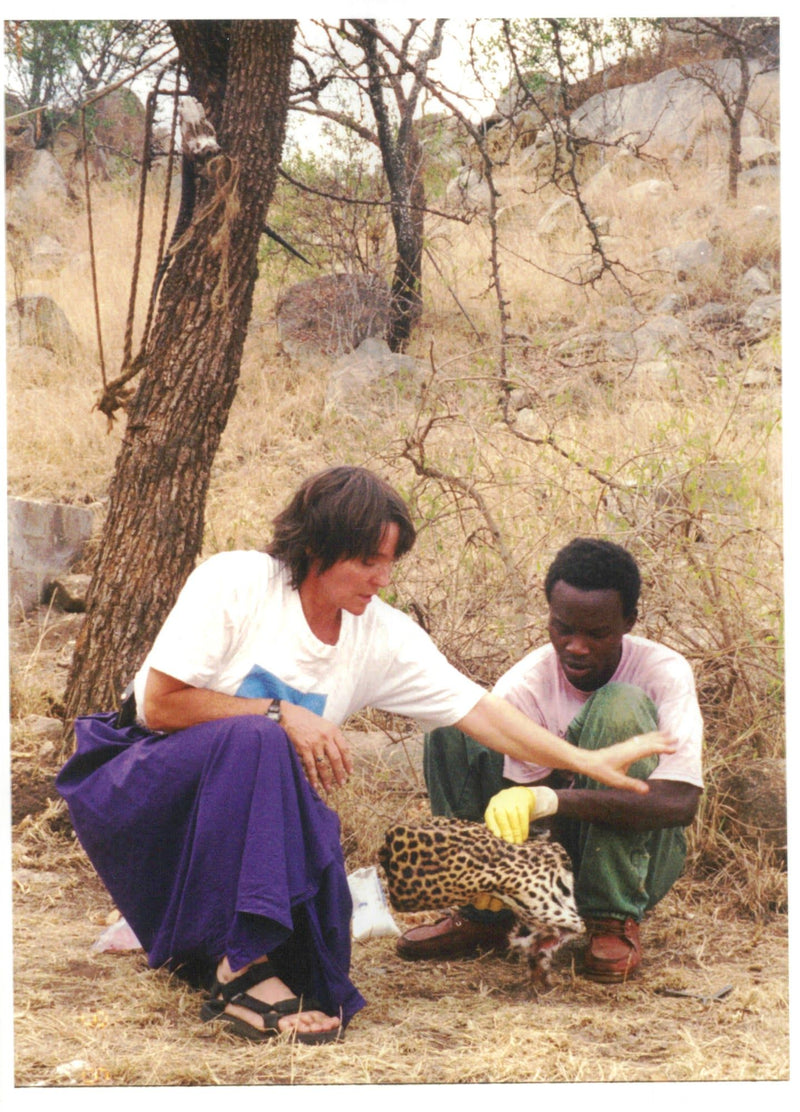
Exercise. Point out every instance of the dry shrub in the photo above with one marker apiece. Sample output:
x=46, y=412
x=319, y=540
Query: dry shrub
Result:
x=690, y=483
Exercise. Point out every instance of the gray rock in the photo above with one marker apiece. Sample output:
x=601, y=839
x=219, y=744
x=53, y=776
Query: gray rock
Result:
x=468, y=192
x=44, y=540
x=759, y=151
x=671, y=304
x=333, y=314
x=754, y=800
x=755, y=282
x=673, y=116
x=714, y=314
x=762, y=214
x=662, y=371
x=38, y=321
x=373, y=752
x=659, y=336
x=372, y=380
x=648, y=192
x=38, y=177
x=41, y=727
x=688, y=260
x=761, y=175
x=562, y=216
x=47, y=255
x=68, y=592
x=763, y=315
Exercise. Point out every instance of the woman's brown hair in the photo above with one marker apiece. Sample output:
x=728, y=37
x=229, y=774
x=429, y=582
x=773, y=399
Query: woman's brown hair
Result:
x=335, y=515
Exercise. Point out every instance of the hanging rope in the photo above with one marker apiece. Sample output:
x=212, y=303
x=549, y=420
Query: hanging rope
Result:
x=222, y=174
x=116, y=394
x=91, y=247
x=162, y=239
x=104, y=404
x=137, y=254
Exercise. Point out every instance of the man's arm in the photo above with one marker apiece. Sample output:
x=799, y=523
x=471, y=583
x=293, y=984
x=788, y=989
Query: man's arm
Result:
x=668, y=803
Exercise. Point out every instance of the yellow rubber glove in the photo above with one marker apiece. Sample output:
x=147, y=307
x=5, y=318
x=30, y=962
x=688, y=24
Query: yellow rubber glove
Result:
x=512, y=810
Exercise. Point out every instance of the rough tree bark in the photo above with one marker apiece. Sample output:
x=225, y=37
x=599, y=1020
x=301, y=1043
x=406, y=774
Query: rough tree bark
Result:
x=239, y=71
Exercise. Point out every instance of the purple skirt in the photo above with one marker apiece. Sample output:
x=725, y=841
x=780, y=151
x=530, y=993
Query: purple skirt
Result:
x=211, y=841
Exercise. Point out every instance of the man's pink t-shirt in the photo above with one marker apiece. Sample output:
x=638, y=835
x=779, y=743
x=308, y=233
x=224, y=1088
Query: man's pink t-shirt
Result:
x=537, y=686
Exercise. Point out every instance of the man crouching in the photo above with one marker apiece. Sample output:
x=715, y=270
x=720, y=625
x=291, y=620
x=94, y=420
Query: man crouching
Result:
x=594, y=684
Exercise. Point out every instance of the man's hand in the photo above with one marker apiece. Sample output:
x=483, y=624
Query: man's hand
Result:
x=512, y=810
x=320, y=745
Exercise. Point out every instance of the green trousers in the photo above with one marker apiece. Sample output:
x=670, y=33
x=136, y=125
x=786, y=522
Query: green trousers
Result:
x=618, y=873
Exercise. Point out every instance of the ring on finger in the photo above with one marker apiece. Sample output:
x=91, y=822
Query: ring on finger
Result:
x=319, y=760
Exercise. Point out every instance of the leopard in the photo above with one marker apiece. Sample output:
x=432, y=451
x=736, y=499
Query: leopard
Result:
x=438, y=862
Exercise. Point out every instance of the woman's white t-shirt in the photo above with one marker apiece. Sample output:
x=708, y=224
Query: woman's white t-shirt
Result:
x=238, y=627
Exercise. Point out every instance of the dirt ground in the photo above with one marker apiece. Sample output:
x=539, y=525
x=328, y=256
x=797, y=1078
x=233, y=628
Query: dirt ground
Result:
x=712, y=1003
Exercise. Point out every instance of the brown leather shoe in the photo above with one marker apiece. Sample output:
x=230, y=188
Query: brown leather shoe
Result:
x=451, y=937
x=613, y=951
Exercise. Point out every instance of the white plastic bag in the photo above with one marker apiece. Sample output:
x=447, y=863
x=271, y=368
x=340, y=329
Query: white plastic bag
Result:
x=118, y=938
x=371, y=915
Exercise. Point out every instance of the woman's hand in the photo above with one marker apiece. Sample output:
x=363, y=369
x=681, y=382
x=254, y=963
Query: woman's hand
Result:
x=324, y=753
x=320, y=745
x=609, y=765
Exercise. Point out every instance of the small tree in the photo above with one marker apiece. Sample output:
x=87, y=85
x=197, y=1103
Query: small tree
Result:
x=51, y=65
x=751, y=45
x=377, y=68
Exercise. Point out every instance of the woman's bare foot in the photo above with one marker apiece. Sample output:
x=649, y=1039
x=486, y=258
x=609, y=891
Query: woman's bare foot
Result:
x=272, y=990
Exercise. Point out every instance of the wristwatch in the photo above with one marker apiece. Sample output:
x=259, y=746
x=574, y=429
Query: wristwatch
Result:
x=273, y=711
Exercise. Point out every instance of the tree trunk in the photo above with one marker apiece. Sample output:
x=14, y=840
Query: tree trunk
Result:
x=154, y=529
x=737, y=111
x=408, y=216
x=402, y=157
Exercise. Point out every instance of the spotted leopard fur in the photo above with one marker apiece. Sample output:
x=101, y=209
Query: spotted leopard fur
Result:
x=442, y=862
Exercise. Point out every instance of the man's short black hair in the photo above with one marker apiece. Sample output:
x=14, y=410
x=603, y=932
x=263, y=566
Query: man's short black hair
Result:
x=596, y=565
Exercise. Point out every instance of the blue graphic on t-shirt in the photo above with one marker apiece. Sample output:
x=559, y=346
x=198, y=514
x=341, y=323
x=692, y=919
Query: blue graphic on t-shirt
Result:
x=261, y=684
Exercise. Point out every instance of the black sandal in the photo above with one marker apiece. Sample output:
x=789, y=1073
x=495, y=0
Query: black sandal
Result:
x=235, y=992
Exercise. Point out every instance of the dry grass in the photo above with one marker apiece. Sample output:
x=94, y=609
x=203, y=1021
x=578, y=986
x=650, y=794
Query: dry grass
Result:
x=602, y=449
x=432, y=1023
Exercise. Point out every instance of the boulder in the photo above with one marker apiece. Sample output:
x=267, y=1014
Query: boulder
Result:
x=37, y=178
x=468, y=192
x=39, y=322
x=714, y=314
x=760, y=215
x=675, y=116
x=688, y=260
x=563, y=215
x=760, y=175
x=671, y=304
x=332, y=315
x=657, y=337
x=757, y=151
x=755, y=282
x=68, y=592
x=47, y=255
x=648, y=191
x=47, y=731
x=44, y=540
x=372, y=380
x=754, y=801
x=763, y=315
